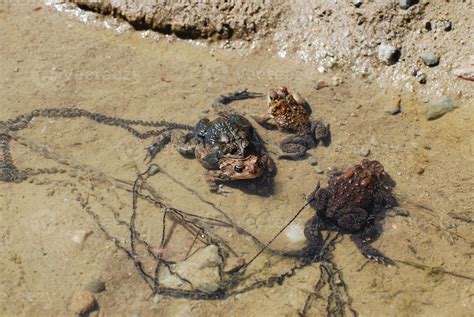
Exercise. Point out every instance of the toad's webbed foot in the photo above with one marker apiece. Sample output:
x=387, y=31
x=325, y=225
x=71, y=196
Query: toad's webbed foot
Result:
x=214, y=179
x=294, y=147
x=220, y=105
x=364, y=239
x=160, y=142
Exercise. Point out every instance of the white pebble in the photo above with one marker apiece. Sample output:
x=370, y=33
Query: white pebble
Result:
x=295, y=233
x=80, y=235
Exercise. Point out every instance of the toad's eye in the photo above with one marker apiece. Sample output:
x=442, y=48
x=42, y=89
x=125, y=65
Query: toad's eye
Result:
x=238, y=169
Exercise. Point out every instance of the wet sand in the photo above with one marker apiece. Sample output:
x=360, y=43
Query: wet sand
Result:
x=50, y=60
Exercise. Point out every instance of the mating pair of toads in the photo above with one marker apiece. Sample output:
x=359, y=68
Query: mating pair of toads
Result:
x=230, y=149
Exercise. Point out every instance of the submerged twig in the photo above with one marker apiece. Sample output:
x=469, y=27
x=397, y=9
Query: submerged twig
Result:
x=434, y=269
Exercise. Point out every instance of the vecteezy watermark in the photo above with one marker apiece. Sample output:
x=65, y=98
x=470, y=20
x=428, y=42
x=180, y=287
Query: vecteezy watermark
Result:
x=57, y=76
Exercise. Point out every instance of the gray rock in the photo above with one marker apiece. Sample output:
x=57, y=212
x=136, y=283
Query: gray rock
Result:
x=430, y=59
x=388, y=54
x=364, y=151
x=202, y=270
x=405, y=4
x=312, y=161
x=439, y=108
x=95, y=286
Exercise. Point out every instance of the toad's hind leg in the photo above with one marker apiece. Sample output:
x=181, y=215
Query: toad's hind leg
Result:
x=294, y=147
x=312, y=232
x=363, y=240
x=352, y=219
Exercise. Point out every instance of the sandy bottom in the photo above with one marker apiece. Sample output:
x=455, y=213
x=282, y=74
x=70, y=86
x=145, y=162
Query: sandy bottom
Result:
x=48, y=60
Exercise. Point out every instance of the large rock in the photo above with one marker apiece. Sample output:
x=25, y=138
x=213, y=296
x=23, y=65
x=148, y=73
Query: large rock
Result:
x=202, y=270
x=194, y=18
x=439, y=108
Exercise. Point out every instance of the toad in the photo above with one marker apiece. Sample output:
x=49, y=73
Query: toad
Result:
x=350, y=204
x=291, y=114
x=228, y=146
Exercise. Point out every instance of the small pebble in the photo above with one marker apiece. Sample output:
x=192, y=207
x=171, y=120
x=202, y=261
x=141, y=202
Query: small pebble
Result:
x=420, y=170
x=95, y=286
x=430, y=59
x=82, y=303
x=318, y=169
x=439, y=108
x=16, y=70
x=394, y=106
x=80, y=236
x=153, y=169
x=336, y=81
x=321, y=85
x=357, y=3
x=388, y=54
x=421, y=78
x=364, y=151
x=405, y=4
x=448, y=26
x=295, y=233
x=312, y=161
x=156, y=298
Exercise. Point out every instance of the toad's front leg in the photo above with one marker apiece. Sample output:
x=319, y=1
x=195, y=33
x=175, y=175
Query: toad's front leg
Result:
x=214, y=178
x=320, y=132
x=185, y=144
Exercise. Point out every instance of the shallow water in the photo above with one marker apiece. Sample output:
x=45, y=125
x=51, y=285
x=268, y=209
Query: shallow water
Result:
x=50, y=60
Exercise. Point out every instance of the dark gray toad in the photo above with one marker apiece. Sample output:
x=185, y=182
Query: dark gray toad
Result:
x=228, y=146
